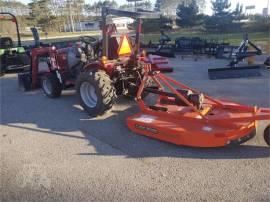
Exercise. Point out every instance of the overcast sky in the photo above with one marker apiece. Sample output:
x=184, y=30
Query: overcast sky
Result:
x=260, y=4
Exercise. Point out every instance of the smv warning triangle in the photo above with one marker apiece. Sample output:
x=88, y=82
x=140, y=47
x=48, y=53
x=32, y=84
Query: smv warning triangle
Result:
x=125, y=47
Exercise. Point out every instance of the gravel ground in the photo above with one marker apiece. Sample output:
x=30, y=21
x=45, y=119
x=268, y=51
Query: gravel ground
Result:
x=52, y=151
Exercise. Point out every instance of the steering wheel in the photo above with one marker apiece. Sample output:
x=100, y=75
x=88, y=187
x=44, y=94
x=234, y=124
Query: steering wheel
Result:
x=88, y=39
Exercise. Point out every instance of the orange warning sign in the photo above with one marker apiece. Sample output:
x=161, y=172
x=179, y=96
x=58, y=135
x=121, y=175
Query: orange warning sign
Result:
x=124, y=47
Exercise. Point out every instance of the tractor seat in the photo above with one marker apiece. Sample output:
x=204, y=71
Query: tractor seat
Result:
x=74, y=61
x=73, y=57
x=6, y=42
x=113, y=48
x=43, y=67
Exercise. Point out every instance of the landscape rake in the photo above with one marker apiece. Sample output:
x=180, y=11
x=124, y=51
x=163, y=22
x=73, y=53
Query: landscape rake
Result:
x=234, y=70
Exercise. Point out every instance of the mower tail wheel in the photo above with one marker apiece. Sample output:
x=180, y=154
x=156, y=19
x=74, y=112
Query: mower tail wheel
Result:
x=267, y=135
x=51, y=86
x=96, y=92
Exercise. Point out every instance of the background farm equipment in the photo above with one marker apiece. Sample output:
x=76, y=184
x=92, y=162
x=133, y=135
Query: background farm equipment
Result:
x=189, y=46
x=12, y=54
x=184, y=116
x=235, y=71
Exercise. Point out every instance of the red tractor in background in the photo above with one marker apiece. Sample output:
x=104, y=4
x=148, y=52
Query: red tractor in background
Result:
x=100, y=69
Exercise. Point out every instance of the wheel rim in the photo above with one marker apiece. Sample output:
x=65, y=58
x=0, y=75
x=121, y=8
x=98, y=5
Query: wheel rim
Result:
x=88, y=94
x=47, y=86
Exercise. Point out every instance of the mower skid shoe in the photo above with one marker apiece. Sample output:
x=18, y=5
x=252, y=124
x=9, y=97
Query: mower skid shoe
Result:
x=234, y=72
x=24, y=81
x=243, y=139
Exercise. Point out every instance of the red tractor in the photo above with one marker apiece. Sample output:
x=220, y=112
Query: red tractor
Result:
x=100, y=70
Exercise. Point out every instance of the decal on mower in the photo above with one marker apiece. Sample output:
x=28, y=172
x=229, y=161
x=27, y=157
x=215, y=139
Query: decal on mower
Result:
x=146, y=118
x=207, y=128
x=152, y=130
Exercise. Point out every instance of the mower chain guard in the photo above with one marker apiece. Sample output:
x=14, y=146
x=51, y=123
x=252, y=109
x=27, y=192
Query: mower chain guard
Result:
x=197, y=99
x=243, y=139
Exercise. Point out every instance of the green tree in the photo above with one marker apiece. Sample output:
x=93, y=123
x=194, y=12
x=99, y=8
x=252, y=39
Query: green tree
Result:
x=222, y=17
x=19, y=9
x=257, y=23
x=41, y=13
x=158, y=5
x=187, y=14
x=97, y=6
x=171, y=5
x=238, y=12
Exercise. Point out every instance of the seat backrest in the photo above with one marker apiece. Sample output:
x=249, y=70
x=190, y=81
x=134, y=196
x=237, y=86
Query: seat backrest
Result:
x=73, y=58
x=43, y=66
x=113, y=48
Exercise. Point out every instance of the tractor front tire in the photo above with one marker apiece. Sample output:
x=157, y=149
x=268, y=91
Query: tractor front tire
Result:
x=51, y=86
x=95, y=91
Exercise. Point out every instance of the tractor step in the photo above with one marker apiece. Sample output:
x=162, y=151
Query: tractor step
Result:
x=17, y=67
x=24, y=81
x=234, y=72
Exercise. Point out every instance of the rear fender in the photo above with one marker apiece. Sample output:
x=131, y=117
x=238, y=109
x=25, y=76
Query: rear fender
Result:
x=94, y=66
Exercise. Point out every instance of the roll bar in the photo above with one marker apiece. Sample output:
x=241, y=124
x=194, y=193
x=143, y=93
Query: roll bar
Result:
x=17, y=26
x=142, y=14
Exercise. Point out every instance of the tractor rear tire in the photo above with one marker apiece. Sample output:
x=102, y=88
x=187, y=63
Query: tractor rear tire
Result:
x=51, y=86
x=95, y=91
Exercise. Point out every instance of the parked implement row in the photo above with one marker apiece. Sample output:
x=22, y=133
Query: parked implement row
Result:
x=188, y=46
x=234, y=70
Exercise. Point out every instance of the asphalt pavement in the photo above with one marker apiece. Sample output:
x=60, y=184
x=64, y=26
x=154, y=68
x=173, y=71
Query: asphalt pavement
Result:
x=52, y=151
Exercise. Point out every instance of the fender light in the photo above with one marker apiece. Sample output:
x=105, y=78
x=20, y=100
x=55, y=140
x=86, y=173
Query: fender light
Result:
x=143, y=54
x=104, y=60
